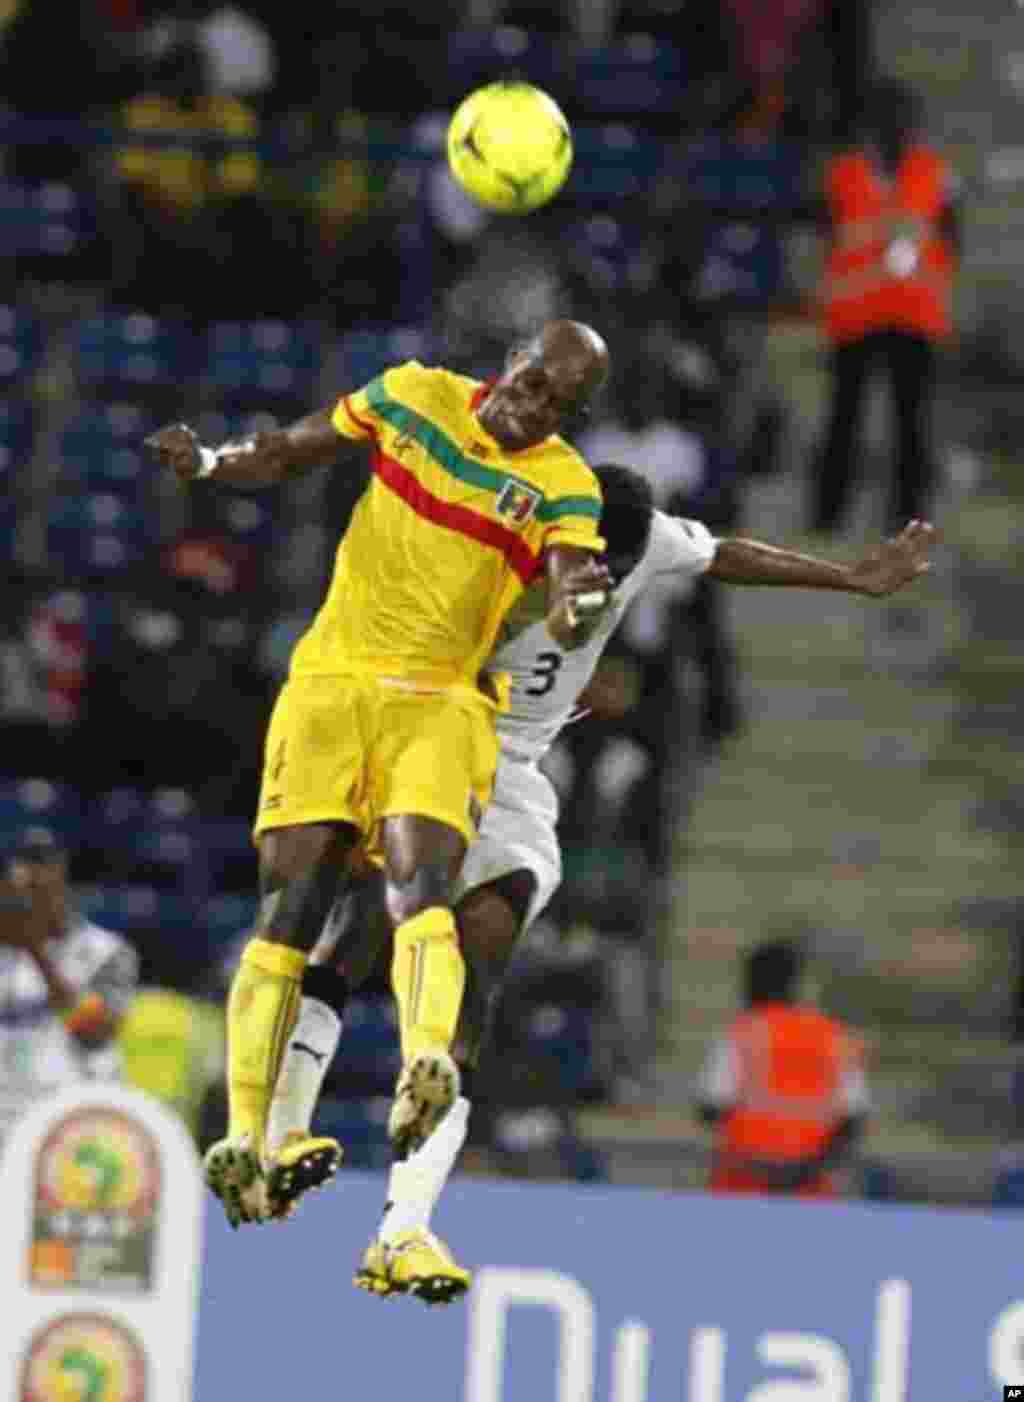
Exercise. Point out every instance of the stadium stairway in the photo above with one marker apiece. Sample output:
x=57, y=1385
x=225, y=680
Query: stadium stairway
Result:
x=872, y=804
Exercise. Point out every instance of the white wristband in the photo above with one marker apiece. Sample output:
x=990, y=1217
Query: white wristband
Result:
x=208, y=461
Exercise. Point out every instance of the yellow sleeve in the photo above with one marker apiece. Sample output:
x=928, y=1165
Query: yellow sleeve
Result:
x=572, y=511
x=360, y=414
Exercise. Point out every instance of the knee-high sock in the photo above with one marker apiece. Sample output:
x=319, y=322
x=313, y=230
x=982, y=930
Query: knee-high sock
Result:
x=416, y=1183
x=262, y=1008
x=309, y=1053
x=428, y=976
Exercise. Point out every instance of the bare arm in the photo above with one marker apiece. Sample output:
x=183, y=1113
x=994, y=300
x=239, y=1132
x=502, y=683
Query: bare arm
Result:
x=882, y=571
x=258, y=460
x=578, y=592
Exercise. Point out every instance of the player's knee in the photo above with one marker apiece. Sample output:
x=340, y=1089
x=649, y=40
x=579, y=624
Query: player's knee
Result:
x=300, y=870
x=429, y=885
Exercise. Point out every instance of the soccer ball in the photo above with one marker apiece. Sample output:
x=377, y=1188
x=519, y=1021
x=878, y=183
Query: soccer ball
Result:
x=510, y=147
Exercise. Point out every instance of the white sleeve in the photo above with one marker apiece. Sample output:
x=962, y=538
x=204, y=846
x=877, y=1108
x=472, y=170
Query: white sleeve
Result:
x=679, y=546
x=718, y=1082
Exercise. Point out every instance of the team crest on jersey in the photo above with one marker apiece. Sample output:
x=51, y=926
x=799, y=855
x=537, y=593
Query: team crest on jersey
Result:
x=517, y=503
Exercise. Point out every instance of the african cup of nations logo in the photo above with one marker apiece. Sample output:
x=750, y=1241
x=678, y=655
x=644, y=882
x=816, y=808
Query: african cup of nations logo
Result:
x=97, y=1190
x=84, y=1358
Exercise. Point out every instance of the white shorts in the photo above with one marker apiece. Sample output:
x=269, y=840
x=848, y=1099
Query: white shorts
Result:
x=517, y=832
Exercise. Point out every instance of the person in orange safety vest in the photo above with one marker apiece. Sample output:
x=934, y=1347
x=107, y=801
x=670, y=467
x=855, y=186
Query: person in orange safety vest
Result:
x=886, y=298
x=784, y=1087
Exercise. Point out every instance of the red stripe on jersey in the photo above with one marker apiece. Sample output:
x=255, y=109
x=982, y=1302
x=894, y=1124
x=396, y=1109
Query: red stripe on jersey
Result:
x=456, y=518
x=364, y=424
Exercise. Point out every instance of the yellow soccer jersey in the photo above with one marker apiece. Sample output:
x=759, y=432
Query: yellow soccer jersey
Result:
x=446, y=536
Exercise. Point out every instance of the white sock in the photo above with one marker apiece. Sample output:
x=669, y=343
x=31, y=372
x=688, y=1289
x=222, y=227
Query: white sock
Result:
x=415, y=1183
x=307, y=1056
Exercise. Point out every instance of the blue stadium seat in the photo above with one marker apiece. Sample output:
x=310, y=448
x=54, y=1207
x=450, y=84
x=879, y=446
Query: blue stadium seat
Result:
x=51, y=220
x=229, y=850
x=755, y=176
x=477, y=56
x=614, y=162
x=102, y=447
x=635, y=75
x=563, y=1038
x=369, y=1051
x=227, y=918
x=361, y=1126
x=142, y=911
x=604, y=250
x=17, y=430
x=21, y=344
x=255, y=361
x=365, y=354
x=98, y=535
x=742, y=262
x=132, y=353
x=169, y=857
x=39, y=803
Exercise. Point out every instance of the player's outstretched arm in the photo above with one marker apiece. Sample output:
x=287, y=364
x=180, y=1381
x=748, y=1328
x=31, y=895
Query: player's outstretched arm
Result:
x=579, y=589
x=258, y=460
x=882, y=571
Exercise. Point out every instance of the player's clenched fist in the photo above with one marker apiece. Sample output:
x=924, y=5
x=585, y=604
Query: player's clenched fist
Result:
x=177, y=446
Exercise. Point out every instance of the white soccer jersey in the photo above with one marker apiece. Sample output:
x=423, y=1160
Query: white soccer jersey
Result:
x=546, y=679
x=518, y=827
x=36, y=1053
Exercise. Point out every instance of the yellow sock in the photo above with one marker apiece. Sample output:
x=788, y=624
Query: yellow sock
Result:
x=427, y=976
x=262, y=1007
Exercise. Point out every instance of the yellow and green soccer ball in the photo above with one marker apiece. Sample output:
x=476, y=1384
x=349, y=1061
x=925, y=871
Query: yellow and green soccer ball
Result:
x=510, y=147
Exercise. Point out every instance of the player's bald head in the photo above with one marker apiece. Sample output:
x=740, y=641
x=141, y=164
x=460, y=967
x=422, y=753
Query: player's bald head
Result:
x=547, y=382
x=574, y=347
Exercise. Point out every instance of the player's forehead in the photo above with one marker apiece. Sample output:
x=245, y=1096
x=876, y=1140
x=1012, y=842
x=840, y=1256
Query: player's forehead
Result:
x=566, y=367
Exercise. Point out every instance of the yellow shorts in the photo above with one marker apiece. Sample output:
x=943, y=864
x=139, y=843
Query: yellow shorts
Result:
x=355, y=750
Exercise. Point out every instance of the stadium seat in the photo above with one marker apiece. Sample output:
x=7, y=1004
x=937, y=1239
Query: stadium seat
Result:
x=229, y=849
x=614, y=162
x=47, y=221
x=225, y=919
x=633, y=76
x=361, y=1126
x=742, y=262
x=477, y=56
x=148, y=916
x=39, y=803
x=102, y=448
x=98, y=535
x=251, y=362
x=755, y=176
x=21, y=344
x=561, y=1039
x=17, y=430
x=133, y=354
x=369, y=1059
x=365, y=354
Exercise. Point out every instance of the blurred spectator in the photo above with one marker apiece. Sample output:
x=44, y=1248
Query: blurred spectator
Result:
x=64, y=982
x=178, y=684
x=172, y=1047
x=669, y=427
x=784, y=1088
x=341, y=187
x=887, y=298
x=239, y=50
x=168, y=201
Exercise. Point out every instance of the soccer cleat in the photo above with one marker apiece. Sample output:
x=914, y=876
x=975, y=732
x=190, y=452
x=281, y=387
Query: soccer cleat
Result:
x=300, y=1163
x=415, y=1263
x=234, y=1174
x=425, y=1092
